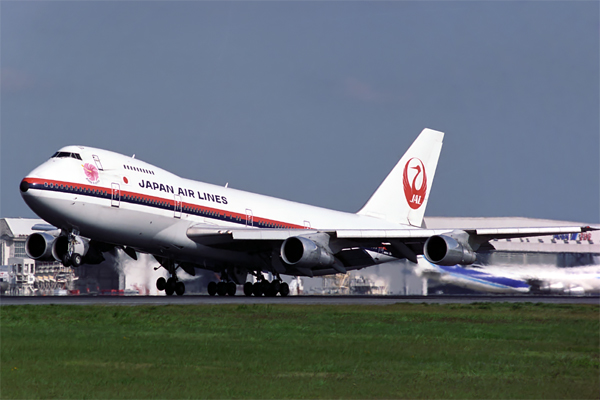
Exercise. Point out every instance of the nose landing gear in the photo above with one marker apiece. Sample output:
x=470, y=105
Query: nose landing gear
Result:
x=71, y=248
x=72, y=260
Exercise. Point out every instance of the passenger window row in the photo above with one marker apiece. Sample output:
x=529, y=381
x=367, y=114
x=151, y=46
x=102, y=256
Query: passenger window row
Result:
x=161, y=204
x=131, y=168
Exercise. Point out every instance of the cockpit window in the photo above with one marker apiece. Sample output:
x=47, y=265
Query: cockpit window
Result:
x=65, y=154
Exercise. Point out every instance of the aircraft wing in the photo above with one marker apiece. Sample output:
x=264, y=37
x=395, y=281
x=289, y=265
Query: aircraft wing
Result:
x=401, y=243
x=206, y=234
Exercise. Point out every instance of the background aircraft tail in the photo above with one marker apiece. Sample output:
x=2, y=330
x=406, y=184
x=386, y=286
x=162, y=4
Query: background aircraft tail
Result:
x=403, y=195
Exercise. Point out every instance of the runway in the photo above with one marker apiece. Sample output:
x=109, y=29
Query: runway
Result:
x=295, y=300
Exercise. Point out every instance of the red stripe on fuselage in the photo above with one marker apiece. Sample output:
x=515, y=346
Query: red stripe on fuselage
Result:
x=171, y=202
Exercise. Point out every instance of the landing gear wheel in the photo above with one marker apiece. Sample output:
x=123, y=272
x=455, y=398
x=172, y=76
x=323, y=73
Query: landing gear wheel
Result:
x=270, y=292
x=170, y=287
x=275, y=287
x=76, y=260
x=231, y=288
x=221, y=288
x=179, y=288
x=257, y=289
x=161, y=283
x=66, y=260
x=284, y=290
x=212, y=288
x=248, y=289
x=265, y=287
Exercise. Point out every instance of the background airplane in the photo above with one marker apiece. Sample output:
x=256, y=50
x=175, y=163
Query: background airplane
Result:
x=100, y=200
x=513, y=279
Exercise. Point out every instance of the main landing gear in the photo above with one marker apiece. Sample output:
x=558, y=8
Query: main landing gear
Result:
x=222, y=288
x=227, y=286
x=263, y=287
x=171, y=285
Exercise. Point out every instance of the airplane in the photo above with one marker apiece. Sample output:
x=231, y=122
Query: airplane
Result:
x=521, y=279
x=97, y=201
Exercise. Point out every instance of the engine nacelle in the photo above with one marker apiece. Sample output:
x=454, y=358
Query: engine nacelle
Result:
x=61, y=247
x=302, y=252
x=446, y=250
x=39, y=246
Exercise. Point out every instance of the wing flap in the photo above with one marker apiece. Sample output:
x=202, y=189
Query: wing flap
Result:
x=210, y=235
x=389, y=233
x=269, y=234
x=505, y=233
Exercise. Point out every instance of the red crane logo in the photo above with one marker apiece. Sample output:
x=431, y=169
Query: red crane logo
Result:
x=414, y=196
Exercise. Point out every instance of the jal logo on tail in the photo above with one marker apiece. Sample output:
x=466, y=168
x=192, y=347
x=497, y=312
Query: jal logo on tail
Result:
x=415, y=188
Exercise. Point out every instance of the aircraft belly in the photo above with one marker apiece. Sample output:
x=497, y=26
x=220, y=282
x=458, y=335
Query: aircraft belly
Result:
x=47, y=207
x=147, y=232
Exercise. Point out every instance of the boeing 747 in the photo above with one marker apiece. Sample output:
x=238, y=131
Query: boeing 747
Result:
x=97, y=200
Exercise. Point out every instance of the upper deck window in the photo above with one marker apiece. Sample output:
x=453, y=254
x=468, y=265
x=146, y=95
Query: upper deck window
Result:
x=65, y=154
x=132, y=168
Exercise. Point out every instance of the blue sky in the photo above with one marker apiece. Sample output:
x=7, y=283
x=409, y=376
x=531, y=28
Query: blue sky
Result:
x=315, y=101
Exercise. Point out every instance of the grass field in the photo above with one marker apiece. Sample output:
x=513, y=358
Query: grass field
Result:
x=285, y=351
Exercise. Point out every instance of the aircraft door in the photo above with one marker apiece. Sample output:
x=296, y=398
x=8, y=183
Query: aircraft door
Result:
x=115, y=197
x=177, y=206
x=249, y=217
x=97, y=162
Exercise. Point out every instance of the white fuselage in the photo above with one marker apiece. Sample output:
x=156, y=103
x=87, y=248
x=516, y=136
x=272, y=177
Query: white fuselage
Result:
x=121, y=200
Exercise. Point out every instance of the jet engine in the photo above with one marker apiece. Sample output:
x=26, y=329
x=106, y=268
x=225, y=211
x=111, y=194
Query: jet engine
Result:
x=39, y=246
x=449, y=250
x=303, y=252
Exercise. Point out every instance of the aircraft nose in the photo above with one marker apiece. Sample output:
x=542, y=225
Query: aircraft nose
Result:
x=24, y=186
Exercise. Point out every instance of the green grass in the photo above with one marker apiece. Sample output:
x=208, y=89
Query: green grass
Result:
x=286, y=351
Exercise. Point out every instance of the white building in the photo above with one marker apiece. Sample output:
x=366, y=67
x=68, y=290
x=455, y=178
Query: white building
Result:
x=14, y=233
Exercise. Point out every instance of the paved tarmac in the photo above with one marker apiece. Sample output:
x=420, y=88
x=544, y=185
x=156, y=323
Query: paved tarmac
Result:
x=306, y=300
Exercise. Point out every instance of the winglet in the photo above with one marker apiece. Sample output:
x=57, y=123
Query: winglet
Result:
x=403, y=195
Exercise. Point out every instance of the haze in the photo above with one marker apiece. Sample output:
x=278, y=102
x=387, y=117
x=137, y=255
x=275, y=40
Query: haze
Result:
x=315, y=101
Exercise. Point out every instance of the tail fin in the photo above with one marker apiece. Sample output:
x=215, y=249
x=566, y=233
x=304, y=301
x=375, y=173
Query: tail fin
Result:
x=403, y=195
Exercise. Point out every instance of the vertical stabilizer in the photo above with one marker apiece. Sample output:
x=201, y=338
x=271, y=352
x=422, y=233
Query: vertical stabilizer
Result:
x=403, y=195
